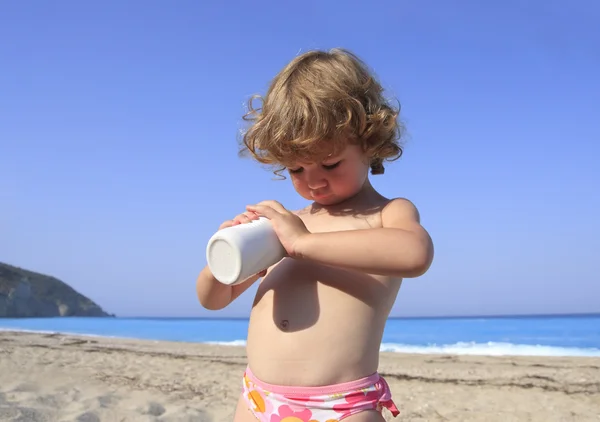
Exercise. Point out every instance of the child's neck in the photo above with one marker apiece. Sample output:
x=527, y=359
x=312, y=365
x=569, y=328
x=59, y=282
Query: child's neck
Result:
x=366, y=198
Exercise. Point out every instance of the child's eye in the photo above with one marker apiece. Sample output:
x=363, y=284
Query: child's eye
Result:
x=331, y=166
x=298, y=170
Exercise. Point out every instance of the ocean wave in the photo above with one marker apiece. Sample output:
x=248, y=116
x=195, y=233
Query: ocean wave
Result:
x=470, y=348
x=227, y=343
x=490, y=349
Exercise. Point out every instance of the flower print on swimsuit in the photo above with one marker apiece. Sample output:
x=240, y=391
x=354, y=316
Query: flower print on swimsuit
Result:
x=258, y=398
x=287, y=414
x=359, y=399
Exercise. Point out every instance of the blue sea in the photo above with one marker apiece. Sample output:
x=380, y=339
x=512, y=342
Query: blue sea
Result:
x=577, y=335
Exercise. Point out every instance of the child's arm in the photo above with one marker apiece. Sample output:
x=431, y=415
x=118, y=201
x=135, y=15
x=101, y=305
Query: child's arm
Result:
x=214, y=295
x=401, y=248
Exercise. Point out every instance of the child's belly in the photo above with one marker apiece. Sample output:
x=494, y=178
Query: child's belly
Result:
x=316, y=325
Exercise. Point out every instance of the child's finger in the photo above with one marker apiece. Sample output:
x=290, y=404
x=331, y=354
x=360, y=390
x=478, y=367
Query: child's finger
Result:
x=241, y=219
x=226, y=224
x=251, y=215
x=265, y=210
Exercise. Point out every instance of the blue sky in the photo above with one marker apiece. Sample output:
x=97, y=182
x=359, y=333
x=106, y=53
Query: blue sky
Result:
x=118, y=138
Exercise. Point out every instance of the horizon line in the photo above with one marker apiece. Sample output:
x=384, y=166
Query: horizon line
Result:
x=533, y=315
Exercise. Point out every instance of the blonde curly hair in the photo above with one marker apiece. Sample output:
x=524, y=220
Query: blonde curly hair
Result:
x=315, y=106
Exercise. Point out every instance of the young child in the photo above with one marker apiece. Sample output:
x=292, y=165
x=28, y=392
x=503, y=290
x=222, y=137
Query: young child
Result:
x=318, y=317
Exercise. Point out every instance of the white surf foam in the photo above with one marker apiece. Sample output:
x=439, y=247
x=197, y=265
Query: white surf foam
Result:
x=470, y=348
x=227, y=343
x=490, y=349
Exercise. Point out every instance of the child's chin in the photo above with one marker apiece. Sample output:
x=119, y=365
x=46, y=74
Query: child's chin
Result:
x=329, y=200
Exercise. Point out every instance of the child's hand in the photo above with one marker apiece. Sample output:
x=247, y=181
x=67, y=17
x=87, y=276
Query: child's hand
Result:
x=289, y=227
x=245, y=217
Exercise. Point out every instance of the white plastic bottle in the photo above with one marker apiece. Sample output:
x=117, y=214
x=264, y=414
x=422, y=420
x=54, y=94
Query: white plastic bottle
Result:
x=238, y=252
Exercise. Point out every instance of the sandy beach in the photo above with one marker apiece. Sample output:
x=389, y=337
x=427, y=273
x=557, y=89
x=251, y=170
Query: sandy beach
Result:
x=52, y=377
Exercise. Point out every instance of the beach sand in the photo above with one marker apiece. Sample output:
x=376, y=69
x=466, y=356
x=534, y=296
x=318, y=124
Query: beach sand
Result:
x=53, y=377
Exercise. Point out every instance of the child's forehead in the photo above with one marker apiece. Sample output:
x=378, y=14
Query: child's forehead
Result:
x=314, y=150
x=330, y=148
x=320, y=157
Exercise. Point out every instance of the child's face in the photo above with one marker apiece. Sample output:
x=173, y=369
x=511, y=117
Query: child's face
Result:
x=332, y=180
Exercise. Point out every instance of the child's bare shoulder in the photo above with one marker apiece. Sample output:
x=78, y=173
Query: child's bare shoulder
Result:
x=400, y=212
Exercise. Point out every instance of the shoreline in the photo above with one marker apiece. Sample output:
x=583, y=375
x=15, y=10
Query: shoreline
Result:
x=458, y=349
x=64, y=377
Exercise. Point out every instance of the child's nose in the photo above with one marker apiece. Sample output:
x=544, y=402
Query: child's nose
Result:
x=317, y=183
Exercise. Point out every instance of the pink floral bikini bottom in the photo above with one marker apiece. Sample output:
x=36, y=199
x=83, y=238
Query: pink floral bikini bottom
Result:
x=273, y=403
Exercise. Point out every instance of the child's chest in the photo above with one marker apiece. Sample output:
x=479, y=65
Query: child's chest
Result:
x=319, y=223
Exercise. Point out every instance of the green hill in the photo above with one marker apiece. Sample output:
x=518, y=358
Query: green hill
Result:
x=26, y=293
